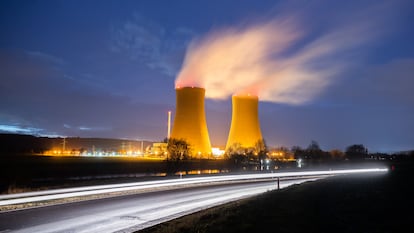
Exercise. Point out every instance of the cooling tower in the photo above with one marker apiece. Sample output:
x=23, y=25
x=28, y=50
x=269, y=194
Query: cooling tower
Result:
x=245, y=127
x=190, y=120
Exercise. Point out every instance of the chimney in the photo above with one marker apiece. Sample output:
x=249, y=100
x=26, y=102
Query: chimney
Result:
x=190, y=120
x=245, y=127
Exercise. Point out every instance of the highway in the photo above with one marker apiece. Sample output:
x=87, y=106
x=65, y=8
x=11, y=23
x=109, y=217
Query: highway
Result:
x=132, y=212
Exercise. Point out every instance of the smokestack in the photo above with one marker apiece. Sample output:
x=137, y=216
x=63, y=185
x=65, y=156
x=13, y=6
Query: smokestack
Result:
x=169, y=125
x=190, y=120
x=245, y=127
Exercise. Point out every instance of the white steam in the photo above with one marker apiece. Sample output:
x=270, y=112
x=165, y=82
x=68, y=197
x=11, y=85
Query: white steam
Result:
x=276, y=60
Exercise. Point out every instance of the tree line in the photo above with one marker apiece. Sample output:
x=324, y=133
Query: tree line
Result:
x=179, y=149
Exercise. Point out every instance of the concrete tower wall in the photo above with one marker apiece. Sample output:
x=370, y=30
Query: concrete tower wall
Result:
x=245, y=126
x=190, y=120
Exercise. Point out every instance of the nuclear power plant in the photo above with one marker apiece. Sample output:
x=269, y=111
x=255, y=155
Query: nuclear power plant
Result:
x=245, y=127
x=190, y=120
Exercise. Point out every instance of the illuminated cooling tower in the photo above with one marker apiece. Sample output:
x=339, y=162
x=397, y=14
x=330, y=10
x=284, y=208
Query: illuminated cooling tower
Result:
x=245, y=127
x=190, y=121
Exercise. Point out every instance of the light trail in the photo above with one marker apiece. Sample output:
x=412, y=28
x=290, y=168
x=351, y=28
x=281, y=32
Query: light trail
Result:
x=11, y=199
x=131, y=213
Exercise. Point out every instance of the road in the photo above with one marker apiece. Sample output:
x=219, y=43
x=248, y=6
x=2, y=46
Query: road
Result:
x=132, y=212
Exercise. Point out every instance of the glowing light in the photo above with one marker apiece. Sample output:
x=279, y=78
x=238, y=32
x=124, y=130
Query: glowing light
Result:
x=245, y=126
x=190, y=121
x=252, y=59
x=19, y=198
x=217, y=151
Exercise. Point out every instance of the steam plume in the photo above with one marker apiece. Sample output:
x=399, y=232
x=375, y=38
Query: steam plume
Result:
x=275, y=60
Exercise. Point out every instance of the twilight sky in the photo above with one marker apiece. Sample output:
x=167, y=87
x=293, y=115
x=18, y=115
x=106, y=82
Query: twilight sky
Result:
x=336, y=72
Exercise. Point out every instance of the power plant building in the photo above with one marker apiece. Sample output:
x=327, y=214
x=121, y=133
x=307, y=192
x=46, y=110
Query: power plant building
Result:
x=245, y=127
x=190, y=120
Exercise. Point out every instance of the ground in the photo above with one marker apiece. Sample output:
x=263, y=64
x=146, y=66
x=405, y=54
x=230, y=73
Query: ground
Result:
x=348, y=203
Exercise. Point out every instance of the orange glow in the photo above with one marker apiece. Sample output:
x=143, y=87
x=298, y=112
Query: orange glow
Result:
x=263, y=59
x=245, y=127
x=234, y=60
x=190, y=121
x=198, y=172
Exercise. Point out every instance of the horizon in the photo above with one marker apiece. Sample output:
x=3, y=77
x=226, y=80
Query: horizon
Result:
x=213, y=146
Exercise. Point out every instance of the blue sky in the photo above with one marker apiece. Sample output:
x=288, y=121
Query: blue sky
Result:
x=337, y=72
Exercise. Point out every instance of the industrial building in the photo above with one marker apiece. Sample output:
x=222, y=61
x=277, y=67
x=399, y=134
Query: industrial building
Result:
x=190, y=121
x=245, y=126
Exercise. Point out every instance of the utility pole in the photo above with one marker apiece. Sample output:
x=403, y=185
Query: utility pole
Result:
x=64, y=145
x=123, y=148
x=278, y=183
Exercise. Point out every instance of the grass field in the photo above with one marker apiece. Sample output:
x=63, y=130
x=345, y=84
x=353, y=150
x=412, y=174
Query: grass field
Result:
x=348, y=203
x=22, y=173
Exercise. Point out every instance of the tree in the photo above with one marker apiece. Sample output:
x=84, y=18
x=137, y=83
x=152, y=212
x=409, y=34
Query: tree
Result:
x=178, y=149
x=314, y=151
x=260, y=148
x=336, y=154
x=356, y=151
x=298, y=152
x=247, y=156
x=233, y=149
x=314, y=146
x=237, y=154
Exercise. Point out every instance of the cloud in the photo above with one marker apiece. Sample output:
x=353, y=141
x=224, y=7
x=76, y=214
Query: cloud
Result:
x=280, y=59
x=19, y=129
x=372, y=105
x=37, y=98
x=148, y=42
x=48, y=58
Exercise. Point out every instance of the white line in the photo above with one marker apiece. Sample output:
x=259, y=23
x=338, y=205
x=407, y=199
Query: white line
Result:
x=10, y=199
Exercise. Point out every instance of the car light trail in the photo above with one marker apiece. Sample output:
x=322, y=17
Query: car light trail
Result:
x=133, y=212
x=11, y=199
x=130, y=213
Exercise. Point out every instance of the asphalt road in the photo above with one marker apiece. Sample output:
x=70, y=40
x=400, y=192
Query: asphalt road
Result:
x=130, y=213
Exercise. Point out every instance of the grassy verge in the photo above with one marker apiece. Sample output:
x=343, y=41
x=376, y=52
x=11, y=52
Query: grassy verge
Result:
x=349, y=203
x=23, y=173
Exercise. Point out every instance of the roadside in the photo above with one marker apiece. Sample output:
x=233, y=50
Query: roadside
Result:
x=347, y=203
x=27, y=200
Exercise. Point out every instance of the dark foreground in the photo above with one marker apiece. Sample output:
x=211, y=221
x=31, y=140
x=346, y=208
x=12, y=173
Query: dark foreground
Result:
x=349, y=203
